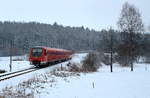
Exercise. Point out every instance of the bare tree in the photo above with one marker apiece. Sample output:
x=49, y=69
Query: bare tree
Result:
x=130, y=23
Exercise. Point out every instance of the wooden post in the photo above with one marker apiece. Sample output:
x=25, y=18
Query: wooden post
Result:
x=61, y=67
x=93, y=85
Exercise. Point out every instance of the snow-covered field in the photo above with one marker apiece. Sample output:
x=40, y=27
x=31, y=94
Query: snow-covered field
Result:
x=102, y=84
x=122, y=83
x=106, y=85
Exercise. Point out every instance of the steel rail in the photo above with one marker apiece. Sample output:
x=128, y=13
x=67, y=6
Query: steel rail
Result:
x=17, y=73
x=5, y=74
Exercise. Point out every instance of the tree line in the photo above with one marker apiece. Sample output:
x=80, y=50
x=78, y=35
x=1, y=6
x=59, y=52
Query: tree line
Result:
x=26, y=35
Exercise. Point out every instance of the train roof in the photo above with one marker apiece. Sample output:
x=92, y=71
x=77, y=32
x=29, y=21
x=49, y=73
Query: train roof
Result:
x=49, y=48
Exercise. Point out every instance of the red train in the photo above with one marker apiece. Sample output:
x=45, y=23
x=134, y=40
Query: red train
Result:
x=44, y=56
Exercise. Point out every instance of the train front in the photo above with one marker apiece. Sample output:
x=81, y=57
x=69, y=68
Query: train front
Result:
x=37, y=56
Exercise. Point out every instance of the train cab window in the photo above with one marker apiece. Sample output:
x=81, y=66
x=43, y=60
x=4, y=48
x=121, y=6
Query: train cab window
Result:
x=45, y=52
x=36, y=52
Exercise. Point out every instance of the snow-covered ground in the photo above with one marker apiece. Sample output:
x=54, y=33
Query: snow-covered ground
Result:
x=16, y=65
x=106, y=85
x=122, y=83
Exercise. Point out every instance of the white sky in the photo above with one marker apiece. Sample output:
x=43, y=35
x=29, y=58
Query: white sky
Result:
x=96, y=14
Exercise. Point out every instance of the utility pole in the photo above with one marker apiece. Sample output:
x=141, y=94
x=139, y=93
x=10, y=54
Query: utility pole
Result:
x=131, y=50
x=10, y=49
x=111, y=51
x=10, y=52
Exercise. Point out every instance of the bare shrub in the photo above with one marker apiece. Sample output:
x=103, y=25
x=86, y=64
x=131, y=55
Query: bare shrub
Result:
x=92, y=62
x=75, y=67
x=64, y=73
x=107, y=58
x=10, y=92
x=61, y=68
x=71, y=67
x=124, y=61
x=147, y=59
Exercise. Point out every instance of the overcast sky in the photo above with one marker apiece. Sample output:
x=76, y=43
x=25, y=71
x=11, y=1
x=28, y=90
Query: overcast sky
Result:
x=96, y=14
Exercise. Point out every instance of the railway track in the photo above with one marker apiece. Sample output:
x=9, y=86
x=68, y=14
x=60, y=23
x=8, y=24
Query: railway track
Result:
x=17, y=73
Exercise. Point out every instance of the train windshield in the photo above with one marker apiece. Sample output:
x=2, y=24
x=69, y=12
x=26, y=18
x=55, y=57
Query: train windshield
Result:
x=36, y=52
